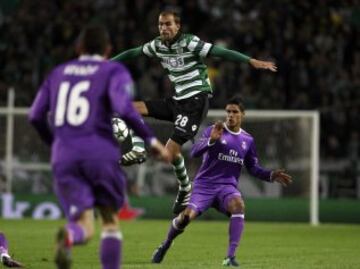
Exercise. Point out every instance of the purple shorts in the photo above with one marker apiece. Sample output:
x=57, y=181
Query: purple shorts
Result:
x=83, y=185
x=217, y=196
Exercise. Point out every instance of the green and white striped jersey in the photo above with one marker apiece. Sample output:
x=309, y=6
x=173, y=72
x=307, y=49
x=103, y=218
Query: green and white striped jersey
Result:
x=183, y=63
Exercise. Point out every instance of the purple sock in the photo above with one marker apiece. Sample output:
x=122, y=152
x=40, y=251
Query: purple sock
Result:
x=173, y=232
x=77, y=234
x=236, y=227
x=110, y=249
x=3, y=244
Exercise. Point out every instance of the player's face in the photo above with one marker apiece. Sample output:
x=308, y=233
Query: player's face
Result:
x=234, y=117
x=168, y=28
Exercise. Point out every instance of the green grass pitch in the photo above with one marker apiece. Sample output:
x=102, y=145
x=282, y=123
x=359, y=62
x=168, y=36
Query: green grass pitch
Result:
x=203, y=245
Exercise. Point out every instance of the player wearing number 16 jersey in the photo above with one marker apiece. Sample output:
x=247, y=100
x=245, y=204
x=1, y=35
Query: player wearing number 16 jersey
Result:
x=72, y=112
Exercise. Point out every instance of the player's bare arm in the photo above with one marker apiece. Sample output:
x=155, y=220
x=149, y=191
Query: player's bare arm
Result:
x=263, y=65
x=281, y=177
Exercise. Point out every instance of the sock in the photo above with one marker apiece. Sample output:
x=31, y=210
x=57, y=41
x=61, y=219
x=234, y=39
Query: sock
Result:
x=110, y=249
x=137, y=142
x=76, y=232
x=181, y=173
x=236, y=227
x=3, y=245
x=173, y=232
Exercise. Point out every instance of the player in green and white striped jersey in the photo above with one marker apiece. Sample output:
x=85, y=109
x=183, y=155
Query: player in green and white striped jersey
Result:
x=181, y=55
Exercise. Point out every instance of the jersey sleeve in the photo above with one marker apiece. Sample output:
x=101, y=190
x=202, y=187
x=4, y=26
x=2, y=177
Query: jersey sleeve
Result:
x=39, y=112
x=149, y=48
x=121, y=85
x=128, y=54
x=252, y=164
x=198, y=47
x=202, y=144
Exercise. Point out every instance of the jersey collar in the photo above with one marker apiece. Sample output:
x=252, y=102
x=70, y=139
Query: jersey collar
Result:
x=172, y=41
x=231, y=132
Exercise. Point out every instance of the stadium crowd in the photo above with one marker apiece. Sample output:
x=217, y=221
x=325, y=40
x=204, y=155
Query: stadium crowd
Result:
x=314, y=43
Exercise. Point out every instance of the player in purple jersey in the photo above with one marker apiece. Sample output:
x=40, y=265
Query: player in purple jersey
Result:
x=5, y=258
x=72, y=112
x=225, y=148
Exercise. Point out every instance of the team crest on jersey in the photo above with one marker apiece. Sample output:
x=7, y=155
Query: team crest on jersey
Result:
x=193, y=128
x=223, y=142
x=243, y=145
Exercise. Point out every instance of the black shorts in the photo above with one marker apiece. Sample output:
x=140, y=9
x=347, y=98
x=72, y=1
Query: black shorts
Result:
x=186, y=114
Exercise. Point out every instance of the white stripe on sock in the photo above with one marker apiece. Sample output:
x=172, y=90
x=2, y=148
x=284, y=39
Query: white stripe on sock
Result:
x=112, y=234
x=5, y=254
x=238, y=216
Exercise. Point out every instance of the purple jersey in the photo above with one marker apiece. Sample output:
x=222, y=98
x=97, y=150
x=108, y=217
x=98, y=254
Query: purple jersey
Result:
x=73, y=109
x=223, y=160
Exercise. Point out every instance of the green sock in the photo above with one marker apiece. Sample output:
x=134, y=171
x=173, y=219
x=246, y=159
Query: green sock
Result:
x=181, y=173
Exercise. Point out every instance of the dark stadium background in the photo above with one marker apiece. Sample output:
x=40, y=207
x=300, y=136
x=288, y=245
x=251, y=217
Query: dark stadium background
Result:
x=314, y=43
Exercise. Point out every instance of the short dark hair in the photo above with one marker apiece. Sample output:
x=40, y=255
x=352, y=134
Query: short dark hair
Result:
x=236, y=100
x=174, y=13
x=93, y=39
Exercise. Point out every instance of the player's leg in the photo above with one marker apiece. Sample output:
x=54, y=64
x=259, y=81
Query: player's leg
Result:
x=189, y=114
x=201, y=199
x=177, y=227
x=178, y=163
x=234, y=206
x=73, y=233
x=5, y=258
x=76, y=198
x=109, y=191
x=111, y=239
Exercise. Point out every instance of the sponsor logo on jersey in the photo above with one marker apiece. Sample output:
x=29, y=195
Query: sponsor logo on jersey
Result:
x=232, y=157
x=174, y=62
x=179, y=50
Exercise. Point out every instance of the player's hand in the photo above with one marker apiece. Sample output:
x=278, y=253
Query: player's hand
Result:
x=216, y=131
x=263, y=65
x=280, y=176
x=160, y=151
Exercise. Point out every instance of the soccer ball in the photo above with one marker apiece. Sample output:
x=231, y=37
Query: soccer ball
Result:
x=120, y=130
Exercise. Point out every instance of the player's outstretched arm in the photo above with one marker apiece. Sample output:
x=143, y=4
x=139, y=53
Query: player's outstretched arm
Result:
x=128, y=54
x=263, y=65
x=232, y=55
x=281, y=177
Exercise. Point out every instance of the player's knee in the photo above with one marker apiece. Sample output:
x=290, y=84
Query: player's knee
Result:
x=89, y=231
x=141, y=108
x=108, y=216
x=86, y=221
x=184, y=221
x=236, y=206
